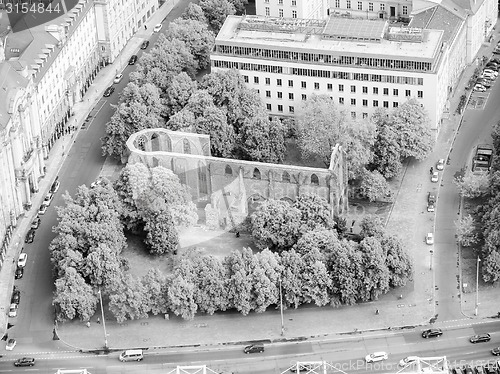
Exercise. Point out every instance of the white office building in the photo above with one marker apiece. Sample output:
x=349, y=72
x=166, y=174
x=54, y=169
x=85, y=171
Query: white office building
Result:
x=309, y=9
x=361, y=64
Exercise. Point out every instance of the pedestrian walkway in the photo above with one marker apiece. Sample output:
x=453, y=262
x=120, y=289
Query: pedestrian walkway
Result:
x=171, y=9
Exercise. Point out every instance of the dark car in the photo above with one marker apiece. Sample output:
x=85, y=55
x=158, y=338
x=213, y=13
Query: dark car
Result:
x=30, y=236
x=25, y=361
x=109, y=91
x=481, y=338
x=35, y=223
x=495, y=351
x=145, y=44
x=302, y=367
x=254, y=348
x=19, y=273
x=16, y=296
x=492, y=65
x=432, y=333
x=55, y=185
x=132, y=60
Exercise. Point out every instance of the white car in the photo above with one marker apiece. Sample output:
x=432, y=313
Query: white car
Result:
x=434, y=177
x=10, y=344
x=376, y=356
x=118, y=78
x=429, y=238
x=42, y=209
x=408, y=360
x=13, y=310
x=491, y=71
x=158, y=27
x=23, y=258
x=440, y=164
x=479, y=88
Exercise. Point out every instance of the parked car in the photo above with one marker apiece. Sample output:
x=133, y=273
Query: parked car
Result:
x=302, y=367
x=432, y=333
x=429, y=238
x=13, y=310
x=132, y=60
x=408, y=360
x=118, y=78
x=16, y=296
x=489, y=76
x=495, y=351
x=48, y=199
x=490, y=71
x=496, y=51
x=431, y=201
x=30, y=236
x=254, y=348
x=145, y=44
x=25, y=361
x=479, y=87
x=36, y=222
x=96, y=183
x=19, y=273
x=109, y=91
x=376, y=356
x=23, y=258
x=42, y=209
x=158, y=27
x=55, y=185
x=11, y=343
x=440, y=164
x=484, y=82
x=434, y=177
x=492, y=65
x=481, y=338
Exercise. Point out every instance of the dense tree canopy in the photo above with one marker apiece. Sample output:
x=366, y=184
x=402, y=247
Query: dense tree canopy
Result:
x=216, y=12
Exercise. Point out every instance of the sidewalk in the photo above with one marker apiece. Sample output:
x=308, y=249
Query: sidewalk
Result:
x=57, y=154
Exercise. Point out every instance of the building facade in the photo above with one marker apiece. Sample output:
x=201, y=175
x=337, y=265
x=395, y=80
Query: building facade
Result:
x=44, y=70
x=361, y=64
x=231, y=189
x=310, y=9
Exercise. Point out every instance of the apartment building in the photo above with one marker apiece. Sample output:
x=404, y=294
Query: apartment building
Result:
x=44, y=70
x=361, y=64
x=310, y=9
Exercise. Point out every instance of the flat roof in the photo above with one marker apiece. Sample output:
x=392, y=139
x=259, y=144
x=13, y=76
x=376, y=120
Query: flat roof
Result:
x=426, y=50
x=355, y=28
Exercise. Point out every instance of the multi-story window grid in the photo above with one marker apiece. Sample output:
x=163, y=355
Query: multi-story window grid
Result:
x=382, y=7
x=294, y=14
x=386, y=91
x=337, y=3
x=291, y=109
x=268, y=11
x=365, y=102
x=353, y=89
x=405, y=10
x=394, y=104
x=294, y=2
x=407, y=93
x=245, y=78
x=304, y=97
x=370, y=7
x=290, y=96
x=375, y=90
x=395, y=91
x=290, y=83
x=348, y=5
x=280, y=108
x=303, y=84
x=256, y=80
x=268, y=81
x=341, y=88
x=353, y=102
x=268, y=93
x=279, y=82
x=365, y=89
x=280, y=13
x=268, y=106
x=316, y=85
x=329, y=86
x=386, y=104
x=360, y=5
x=375, y=103
x=323, y=59
x=280, y=2
x=420, y=94
x=280, y=95
x=341, y=100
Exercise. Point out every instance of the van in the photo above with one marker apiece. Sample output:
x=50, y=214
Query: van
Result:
x=131, y=355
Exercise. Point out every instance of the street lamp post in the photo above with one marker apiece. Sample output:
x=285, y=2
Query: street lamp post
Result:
x=103, y=321
x=281, y=311
x=477, y=285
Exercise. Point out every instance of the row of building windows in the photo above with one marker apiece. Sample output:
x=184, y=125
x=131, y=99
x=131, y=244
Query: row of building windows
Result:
x=291, y=95
x=348, y=5
x=341, y=101
x=285, y=177
x=381, y=78
x=280, y=2
x=267, y=11
x=318, y=58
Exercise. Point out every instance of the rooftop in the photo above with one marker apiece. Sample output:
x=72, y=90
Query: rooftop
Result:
x=348, y=37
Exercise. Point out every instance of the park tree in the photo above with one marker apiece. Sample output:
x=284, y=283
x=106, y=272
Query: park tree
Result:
x=177, y=95
x=197, y=37
x=275, y=225
x=269, y=263
x=291, y=278
x=398, y=261
x=316, y=282
x=386, y=150
x=315, y=213
x=73, y=297
x=194, y=12
x=129, y=301
x=411, y=122
x=103, y=267
x=376, y=273
x=216, y=12
x=319, y=239
x=240, y=284
x=211, y=293
x=155, y=286
x=466, y=231
x=490, y=268
x=373, y=185
x=182, y=121
x=213, y=122
x=372, y=225
x=239, y=6
x=471, y=185
x=139, y=108
x=321, y=125
x=261, y=140
x=161, y=234
x=182, y=290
